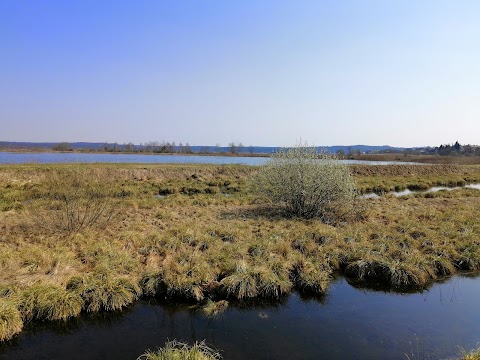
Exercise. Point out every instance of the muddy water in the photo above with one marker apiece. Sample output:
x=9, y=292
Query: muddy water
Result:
x=348, y=323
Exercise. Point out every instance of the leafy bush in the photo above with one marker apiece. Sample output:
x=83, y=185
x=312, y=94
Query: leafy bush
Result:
x=307, y=183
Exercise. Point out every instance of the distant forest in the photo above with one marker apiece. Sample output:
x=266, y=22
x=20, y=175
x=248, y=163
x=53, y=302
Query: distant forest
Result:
x=234, y=148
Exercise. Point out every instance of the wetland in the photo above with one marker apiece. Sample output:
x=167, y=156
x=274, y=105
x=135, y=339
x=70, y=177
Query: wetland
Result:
x=124, y=248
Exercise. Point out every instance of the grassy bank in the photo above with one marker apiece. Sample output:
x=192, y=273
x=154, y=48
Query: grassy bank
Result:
x=197, y=232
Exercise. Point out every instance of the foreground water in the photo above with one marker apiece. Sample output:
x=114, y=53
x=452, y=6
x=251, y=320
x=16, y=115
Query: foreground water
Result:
x=53, y=158
x=349, y=323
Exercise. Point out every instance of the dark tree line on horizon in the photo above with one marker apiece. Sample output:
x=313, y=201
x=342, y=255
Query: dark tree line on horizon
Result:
x=156, y=147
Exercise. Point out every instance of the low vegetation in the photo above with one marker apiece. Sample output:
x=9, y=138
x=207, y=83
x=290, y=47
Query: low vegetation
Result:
x=473, y=355
x=10, y=320
x=175, y=350
x=200, y=233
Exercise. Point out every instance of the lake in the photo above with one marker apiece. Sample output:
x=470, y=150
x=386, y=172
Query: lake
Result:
x=350, y=322
x=53, y=158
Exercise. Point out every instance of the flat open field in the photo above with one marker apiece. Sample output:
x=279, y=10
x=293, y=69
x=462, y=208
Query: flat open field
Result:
x=96, y=237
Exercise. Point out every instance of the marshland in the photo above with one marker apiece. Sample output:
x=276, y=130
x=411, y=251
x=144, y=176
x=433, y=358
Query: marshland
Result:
x=96, y=238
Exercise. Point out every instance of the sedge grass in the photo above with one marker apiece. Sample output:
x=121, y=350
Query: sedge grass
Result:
x=10, y=320
x=176, y=350
x=472, y=355
x=47, y=302
x=104, y=292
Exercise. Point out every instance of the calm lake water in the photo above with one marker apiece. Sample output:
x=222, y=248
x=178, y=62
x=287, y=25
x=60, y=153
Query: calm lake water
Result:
x=52, y=158
x=349, y=323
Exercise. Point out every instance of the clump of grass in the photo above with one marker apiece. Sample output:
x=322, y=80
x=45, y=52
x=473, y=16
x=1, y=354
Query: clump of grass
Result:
x=10, y=320
x=214, y=308
x=176, y=350
x=394, y=272
x=104, y=292
x=472, y=355
x=248, y=282
x=152, y=284
x=310, y=278
x=273, y=281
x=8, y=290
x=48, y=302
x=469, y=257
x=242, y=283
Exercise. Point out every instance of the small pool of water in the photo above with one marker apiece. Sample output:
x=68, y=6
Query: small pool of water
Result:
x=430, y=190
x=348, y=323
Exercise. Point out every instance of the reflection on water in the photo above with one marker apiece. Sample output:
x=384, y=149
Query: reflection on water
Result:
x=351, y=322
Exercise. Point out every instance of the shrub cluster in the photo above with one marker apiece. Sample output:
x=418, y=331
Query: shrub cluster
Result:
x=307, y=183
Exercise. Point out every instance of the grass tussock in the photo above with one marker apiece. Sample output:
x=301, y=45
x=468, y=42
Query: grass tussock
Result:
x=472, y=355
x=176, y=350
x=310, y=278
x=47, y=302
x=104, y=292
x=10, y=320
x=214, y=308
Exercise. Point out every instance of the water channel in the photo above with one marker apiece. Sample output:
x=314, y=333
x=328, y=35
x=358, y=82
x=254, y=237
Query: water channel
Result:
x=350, y=322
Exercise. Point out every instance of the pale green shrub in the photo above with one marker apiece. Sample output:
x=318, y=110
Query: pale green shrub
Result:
x=308, y=183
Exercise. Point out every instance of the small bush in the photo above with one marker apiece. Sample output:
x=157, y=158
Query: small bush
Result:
x=307, y=183
x=71, y=201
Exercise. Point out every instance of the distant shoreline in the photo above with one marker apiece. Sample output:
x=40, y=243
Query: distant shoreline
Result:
x=95, y=151
x=399, y=156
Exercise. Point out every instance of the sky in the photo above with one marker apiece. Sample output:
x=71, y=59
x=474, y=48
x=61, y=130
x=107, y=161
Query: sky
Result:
x=260, y=72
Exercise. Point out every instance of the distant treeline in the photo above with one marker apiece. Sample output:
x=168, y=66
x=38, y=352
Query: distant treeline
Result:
x=162, y=147
x=157, y=147
x=454, y=149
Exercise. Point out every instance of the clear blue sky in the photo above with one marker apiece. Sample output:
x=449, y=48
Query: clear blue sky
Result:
x=260, y=72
